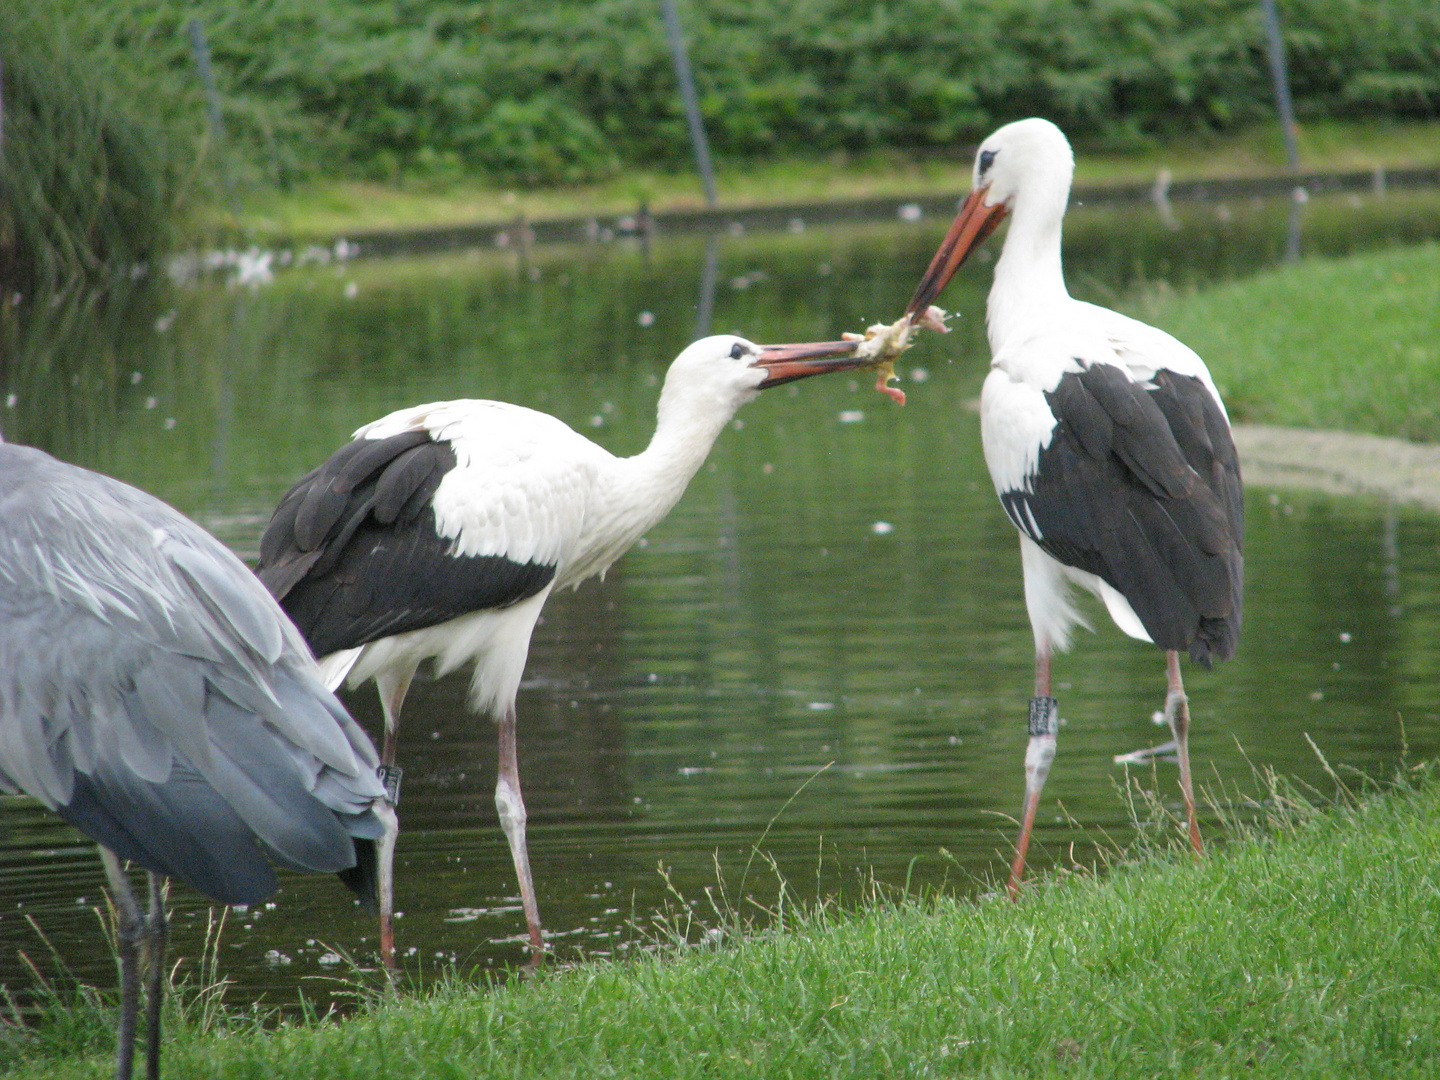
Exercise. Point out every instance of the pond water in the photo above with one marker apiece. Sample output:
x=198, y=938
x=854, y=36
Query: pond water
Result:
x=815, y=669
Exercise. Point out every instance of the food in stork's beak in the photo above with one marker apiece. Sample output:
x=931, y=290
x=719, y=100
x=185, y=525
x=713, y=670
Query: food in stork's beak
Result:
x=972, y=225
x=786, y=363
x=881, y=345
x=878, y=348
x=884, y=342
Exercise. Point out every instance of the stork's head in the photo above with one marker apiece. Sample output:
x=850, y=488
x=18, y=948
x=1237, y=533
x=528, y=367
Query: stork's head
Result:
x=727, y=371
x=1028, y=160
x=1028, y=154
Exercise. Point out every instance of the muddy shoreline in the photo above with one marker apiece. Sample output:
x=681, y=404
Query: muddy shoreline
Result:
x=1340, y=463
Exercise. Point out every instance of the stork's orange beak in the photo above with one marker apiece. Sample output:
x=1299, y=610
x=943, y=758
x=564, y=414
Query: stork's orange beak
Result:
x=786, y=363
x=972, y=225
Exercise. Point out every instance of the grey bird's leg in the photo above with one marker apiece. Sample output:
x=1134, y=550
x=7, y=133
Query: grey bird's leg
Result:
x=156, y=935
x=128, y=931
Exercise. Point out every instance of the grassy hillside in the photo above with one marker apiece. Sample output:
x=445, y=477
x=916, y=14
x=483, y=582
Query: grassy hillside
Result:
x=1350, y=343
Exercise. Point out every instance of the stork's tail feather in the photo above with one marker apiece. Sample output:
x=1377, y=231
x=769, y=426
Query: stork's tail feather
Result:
x=1215, y=640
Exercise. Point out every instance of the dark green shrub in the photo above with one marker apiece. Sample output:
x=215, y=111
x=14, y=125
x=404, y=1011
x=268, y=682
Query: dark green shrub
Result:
x=559, y=89
x=91, y=180
x=563, y=90
x=541, y=139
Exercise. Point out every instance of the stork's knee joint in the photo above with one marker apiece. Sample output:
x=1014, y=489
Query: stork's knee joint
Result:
x=510, y=806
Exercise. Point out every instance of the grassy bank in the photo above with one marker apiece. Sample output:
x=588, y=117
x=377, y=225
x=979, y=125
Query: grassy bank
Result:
x=1352, y=344
x=327, y=207
x=1305, y=950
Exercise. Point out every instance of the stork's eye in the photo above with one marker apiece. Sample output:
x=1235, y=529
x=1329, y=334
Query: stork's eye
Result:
x=987, y=158
x=737, y=351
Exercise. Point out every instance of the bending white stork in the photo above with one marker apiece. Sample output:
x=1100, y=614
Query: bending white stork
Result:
x=156, y=697
x=442, y=529
x=1109, y=447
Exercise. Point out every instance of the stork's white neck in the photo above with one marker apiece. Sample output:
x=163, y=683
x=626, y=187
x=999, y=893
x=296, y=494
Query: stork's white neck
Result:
x=686, y=427
x=637, y=492
x=1029, y=281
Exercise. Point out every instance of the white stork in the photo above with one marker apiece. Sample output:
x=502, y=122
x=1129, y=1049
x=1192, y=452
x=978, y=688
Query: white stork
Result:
x=1108, y=444
x=440, y=531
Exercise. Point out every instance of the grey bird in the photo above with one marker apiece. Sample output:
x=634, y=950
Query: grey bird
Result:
x=155, y=697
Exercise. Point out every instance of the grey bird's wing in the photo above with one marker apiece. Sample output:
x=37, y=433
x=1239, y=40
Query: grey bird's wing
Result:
x=155, y=696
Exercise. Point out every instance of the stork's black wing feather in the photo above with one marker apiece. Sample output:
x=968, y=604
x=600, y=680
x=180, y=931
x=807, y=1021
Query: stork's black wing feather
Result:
x=353, y=552
x=1140, y=485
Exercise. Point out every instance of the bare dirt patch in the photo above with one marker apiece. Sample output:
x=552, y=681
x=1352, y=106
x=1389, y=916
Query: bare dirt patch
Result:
x=1340, y=463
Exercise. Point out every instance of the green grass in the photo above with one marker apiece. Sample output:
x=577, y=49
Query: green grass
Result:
x=1352, y=343
x=1306, y=949
x=326, y=208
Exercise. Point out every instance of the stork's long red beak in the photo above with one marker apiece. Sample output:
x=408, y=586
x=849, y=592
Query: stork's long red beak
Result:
x=786, y=363
x=972, y=225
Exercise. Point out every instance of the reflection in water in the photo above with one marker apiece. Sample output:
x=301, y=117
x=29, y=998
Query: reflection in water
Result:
x=709, y=276
x=766, y=637
x=1293, y=221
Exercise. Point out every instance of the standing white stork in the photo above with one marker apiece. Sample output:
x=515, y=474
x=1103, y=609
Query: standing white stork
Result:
x=155, y=696
x=1108, y=444
x=441, y=530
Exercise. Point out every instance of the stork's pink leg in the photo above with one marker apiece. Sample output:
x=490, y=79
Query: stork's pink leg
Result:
x=1177, y=712
x=385, y=872
x=511, y=805
x=393, y=685
x=1039, y=753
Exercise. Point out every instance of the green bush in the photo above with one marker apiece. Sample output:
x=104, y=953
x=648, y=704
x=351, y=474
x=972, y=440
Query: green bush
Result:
x=87, y=187
x=557, y=90
x=565, y=90
x=539, y=139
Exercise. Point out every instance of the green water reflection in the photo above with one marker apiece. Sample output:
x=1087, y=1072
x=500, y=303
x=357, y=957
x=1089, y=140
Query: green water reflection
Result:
x=835, y=605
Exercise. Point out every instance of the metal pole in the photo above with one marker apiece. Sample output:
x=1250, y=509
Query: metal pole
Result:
x=687, y=94
x=1293, y=220
x=201, y=48
x=1276, y=48
x=207, y=75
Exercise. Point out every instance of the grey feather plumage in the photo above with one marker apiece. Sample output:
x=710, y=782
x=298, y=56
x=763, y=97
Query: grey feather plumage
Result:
x=155, y=696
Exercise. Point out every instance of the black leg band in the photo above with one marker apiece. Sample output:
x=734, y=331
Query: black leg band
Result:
x=390, y=777
x=1044, y=716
